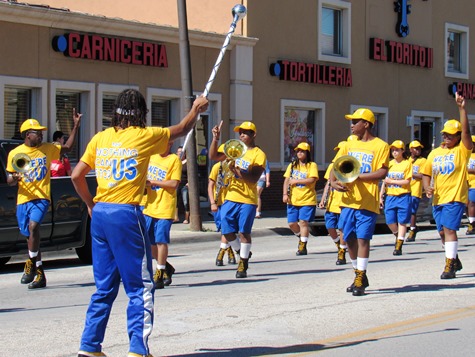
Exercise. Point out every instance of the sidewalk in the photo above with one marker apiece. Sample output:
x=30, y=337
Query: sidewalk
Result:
x=272, y=222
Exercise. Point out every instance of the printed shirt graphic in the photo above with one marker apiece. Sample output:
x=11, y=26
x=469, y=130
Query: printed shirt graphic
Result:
x=300, y=194
x=372, y=156
x=35, y=184
x=416, y=184
x=217, y=175
x=334, y=197
x=120, y=159
x=449, y=169
x=161, y=203
x=399, y=171
x=242, y=191
x=471, y=177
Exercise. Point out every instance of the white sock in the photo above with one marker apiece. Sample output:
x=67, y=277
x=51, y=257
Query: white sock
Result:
x=400, y=238
x=362, y=263
x=343, y=246
x=471, y=219
x=39, y=263
x=304, y=239
x=154, y=265
x=161, y=267
x=451, y=249
x=245, y=249
x=224, y=245
x=32, y=254
x=236, y=244
x=353, y=263
x=258, y=214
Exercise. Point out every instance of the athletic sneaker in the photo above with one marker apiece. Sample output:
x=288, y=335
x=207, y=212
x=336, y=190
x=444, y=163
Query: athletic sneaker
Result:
x=360, y=283
x=219, y=257
x=341, y=260
x=231, y=256
x=302, y=249
x=398, y=247
x=411, y=236
x=90, y=354
x=242, y=268
x=167, y=276
x=449, y=270
x=158, y=279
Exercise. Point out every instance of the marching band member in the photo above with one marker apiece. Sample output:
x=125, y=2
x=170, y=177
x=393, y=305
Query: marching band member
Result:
x=471, y=191
x=446, y=166
x=396, y=187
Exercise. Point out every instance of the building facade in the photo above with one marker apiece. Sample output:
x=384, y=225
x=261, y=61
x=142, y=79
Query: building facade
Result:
x=294, y=68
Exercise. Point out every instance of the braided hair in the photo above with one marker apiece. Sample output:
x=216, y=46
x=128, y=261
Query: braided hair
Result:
x=130, y=109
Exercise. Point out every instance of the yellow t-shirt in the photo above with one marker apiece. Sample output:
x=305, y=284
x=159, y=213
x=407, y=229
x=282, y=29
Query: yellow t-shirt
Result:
x=449, y=169
x=120, y=158
x=300, y=194
x=217, y=175
x=372, y=156
x=416, y=184
x=35, y=184
x=242, y=191
x=334, y=196
x=399, y=171
x=471, y=177
x=161, y=202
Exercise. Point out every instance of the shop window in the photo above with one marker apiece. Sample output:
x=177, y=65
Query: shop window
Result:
x=108, y=101
x=334, y=31
x=160, y=112
x=17, y=103
x=456, y=52
x=65, y=102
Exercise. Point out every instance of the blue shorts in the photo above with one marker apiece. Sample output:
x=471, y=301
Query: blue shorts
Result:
x=300, y=213
x=158, y=229
x=415, y=204
x=331, y=220
x=237, y=217
x=356, y=223
x=448, y=215
x=397, y=209
x=217, y=219
x=261, y=183
x=471, y=194
x=31, y=211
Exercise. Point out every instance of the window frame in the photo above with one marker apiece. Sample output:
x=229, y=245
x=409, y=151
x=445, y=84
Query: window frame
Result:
x=464, y=32
x=345, y=8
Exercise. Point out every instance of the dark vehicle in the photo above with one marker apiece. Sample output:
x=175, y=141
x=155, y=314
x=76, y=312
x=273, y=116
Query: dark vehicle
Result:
x=317, y=227
x=66, y=225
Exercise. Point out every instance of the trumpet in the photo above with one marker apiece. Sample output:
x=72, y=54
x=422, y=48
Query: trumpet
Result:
x=233, y=149
x=21, y=163
x=346, y=169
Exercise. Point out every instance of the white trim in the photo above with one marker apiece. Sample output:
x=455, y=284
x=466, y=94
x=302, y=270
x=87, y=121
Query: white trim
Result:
x=345, y=8
x=39, y=100
x=464, y=32
x=319, y=135
x=88, y=103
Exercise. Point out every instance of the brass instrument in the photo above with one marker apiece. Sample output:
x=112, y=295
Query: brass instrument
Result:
x=21, y=163
x=346, y=169
x=233, y=149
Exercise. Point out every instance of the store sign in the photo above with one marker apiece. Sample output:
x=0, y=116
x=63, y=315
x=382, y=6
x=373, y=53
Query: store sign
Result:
x=401, y=53
x=111, y=49
x=311, y=73
x=467, y=90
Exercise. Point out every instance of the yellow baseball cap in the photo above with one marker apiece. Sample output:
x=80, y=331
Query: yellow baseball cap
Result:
x=31, y=124
x=340, y=145
x=415, y=144
x=302, y=146
x=221, y=149
x=247, y=125
x=452, y=126
x=362, y=113
x=398, y=144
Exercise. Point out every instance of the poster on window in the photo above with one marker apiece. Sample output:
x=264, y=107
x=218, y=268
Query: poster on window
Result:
x=299, y=126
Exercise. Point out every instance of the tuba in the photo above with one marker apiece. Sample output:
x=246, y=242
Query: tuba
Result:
x=21, y=163
x=346, y=169
x=233, y=149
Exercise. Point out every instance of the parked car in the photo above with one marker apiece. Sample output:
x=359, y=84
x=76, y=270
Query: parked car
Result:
x=317, y=227
x=66, y=225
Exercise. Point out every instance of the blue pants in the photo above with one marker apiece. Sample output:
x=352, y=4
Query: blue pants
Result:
x=120, y=250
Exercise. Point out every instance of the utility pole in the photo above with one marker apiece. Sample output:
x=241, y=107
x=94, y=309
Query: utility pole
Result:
x=187, y=90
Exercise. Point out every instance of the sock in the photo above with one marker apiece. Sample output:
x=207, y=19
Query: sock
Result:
x=32, y=254
x=343, y=246
x=161, y=267
x=236, y=244
x=353, y=263
x=400, y=238
x=304, y=239
x=336, y=240
x=224, y=245
x=245, y=249
x=451, y=249
x=39, y=263
x=258, y=214
x=154, y=265
x=362, y=263
x=413, y=228
x=471, y=219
